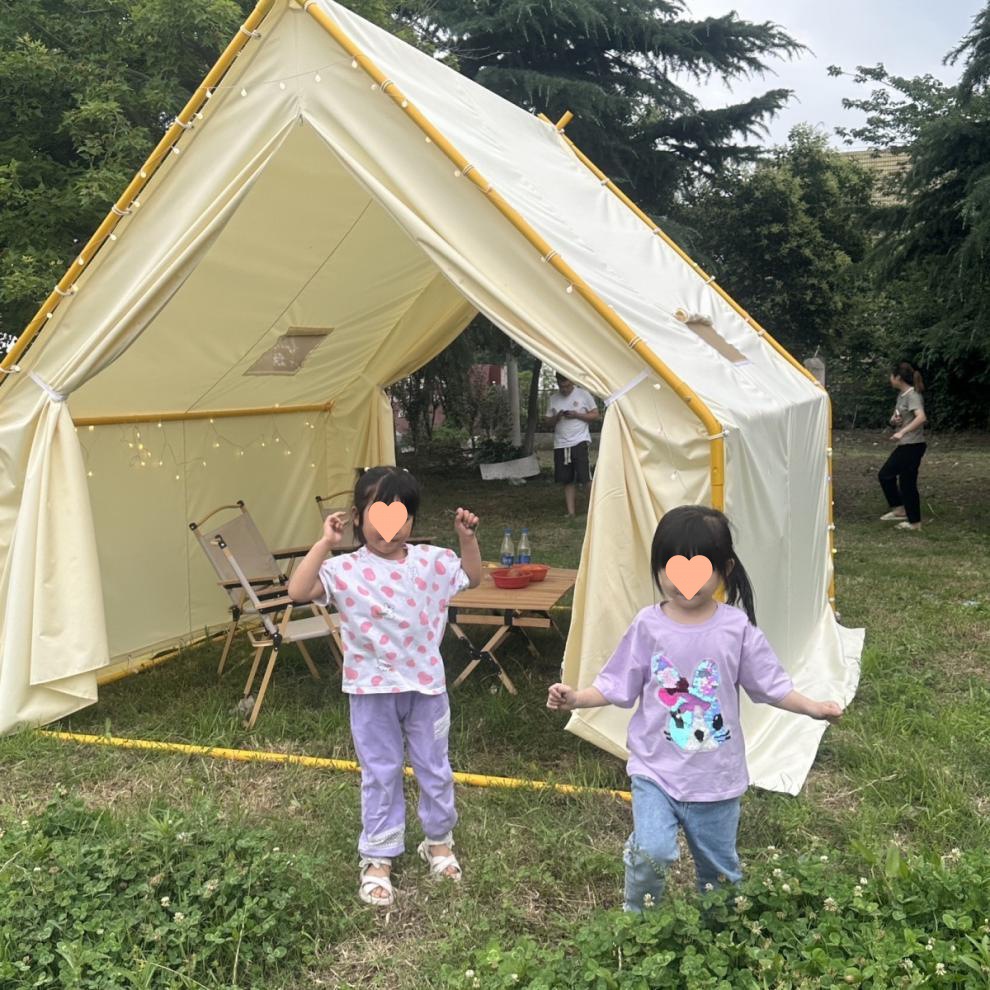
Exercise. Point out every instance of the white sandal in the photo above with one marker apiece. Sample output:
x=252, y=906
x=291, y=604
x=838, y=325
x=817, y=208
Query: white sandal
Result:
x=370, y=884
x=439, y=864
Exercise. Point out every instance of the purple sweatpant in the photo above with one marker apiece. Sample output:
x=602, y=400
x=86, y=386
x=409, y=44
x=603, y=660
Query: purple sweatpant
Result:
x=379, y=724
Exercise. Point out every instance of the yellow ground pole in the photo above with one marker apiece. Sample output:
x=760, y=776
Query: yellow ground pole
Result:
x=316, y=763
x=468, y=171
x=127, y=199
x=710, y=280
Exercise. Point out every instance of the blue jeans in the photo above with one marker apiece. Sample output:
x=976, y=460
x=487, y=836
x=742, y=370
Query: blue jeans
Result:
x=709, y=826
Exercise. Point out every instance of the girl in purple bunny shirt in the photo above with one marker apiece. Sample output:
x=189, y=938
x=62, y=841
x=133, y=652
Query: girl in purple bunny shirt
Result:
x=684, y=661
x=392, y=597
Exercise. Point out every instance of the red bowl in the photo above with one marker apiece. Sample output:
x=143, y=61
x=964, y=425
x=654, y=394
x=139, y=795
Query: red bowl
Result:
x=510, y=578
x=536, y=572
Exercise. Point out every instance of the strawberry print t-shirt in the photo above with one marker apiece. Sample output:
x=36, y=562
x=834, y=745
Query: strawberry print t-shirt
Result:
x=392, y=616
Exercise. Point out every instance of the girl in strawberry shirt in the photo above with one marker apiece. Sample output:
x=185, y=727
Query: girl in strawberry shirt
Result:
x=392, y=597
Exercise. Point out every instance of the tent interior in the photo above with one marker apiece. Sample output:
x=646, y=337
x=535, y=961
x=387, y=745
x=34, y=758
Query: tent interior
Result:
x=306, y=249
x=290, y=265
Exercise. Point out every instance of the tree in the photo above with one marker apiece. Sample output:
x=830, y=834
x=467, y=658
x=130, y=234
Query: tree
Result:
x=936, y=241
x=786, y=238
x=614, y=66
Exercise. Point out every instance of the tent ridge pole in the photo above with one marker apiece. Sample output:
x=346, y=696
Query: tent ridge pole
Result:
x=466, y=170
x=750, y=321
x=122, y=207
x=194, y=414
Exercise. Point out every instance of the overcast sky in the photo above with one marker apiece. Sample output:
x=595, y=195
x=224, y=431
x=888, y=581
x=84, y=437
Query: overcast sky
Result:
x=910, y=37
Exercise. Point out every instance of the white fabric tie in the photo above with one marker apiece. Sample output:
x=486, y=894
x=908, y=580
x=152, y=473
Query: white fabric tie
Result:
x=628, y=387
x=45, y=387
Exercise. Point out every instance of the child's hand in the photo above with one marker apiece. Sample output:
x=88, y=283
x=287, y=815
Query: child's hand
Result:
x=465, y=523
x=830, y=711
x=561, y=698
x=333, y=528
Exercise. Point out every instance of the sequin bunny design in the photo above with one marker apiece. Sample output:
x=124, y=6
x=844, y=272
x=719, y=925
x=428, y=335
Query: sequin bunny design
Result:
x=695, y=722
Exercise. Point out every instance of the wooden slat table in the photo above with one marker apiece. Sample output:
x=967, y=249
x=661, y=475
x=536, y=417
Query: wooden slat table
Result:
x=508, y=609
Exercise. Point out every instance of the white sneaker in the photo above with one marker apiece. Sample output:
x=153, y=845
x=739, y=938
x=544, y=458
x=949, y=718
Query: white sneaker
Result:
x=893, y=517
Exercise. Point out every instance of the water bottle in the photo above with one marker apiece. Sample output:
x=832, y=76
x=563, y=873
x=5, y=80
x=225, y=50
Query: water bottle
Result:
x=508, y=550
x=523, y=553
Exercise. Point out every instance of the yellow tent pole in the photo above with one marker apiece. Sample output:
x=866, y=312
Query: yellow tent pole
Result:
x=710, y=280
x=467, y=170
x=128, y=198
x=318, y=763
x=185, y=417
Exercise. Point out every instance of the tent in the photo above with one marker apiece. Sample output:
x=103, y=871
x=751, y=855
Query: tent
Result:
x=325, y=215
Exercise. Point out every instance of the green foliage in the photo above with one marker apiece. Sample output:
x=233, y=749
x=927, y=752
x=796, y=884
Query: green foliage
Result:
x=613, y=65
x=935, y=240
x=170, y=901
x=786, y=237
x=800, y=922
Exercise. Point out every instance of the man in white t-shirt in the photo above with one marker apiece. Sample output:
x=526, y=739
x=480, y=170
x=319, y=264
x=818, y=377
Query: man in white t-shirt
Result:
x=571, y=409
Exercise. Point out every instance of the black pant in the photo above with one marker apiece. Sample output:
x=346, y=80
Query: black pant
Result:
x=899, y=479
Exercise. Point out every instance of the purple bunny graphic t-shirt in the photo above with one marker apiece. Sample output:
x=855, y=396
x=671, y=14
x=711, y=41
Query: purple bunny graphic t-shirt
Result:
x=685, y=735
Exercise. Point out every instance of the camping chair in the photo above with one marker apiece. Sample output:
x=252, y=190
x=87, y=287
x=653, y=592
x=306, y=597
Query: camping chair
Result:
x=267, y=576
x=278, y=630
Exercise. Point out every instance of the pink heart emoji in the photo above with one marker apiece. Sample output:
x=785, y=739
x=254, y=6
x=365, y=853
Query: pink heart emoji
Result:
x=440, y=568
x=365, y=627
x=376, y=680
x=396, y=576
x=407, y=640
x=350, y=673
x=369, y=574
x=388, y=592
x=339, y=584
x=424, y=678
x=387, y=519
x=349, y=602
x=688, y=576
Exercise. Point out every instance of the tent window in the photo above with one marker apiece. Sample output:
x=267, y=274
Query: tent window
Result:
x=704, y=327
x=289, y=352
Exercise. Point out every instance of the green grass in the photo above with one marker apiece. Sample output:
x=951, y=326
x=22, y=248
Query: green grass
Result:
x=908, y=763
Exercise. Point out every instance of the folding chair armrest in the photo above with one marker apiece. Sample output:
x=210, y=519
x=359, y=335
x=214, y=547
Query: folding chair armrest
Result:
x=277, y=604
x=260, y=584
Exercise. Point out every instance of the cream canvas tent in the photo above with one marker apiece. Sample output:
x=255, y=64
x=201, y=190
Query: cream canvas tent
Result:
x=326, y=214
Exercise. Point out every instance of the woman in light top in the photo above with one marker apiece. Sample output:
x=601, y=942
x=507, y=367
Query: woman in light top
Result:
x=899, y=475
